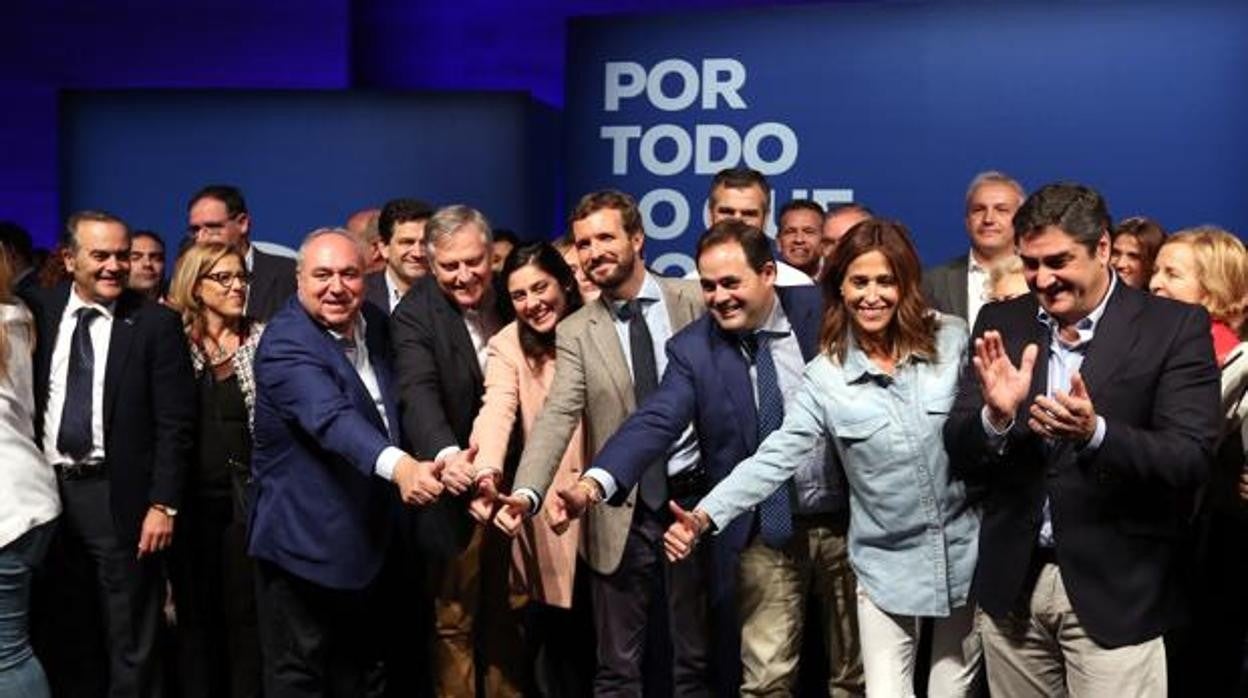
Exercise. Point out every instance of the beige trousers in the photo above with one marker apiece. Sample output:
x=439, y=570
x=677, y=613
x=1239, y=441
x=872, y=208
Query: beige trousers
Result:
x=1047, y=654
x=772, y=590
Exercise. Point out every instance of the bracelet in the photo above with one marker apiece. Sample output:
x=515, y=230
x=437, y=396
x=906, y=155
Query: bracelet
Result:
x=166, y=510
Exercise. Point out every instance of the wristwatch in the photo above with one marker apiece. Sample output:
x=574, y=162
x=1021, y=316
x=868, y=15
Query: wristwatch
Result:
x=166, y=510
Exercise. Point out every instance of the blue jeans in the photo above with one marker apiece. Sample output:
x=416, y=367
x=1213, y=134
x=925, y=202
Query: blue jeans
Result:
x=20, y=671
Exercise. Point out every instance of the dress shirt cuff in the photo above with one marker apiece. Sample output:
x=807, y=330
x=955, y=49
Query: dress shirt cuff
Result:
x=386, y=460
x=446, y=453
x=719, y=515
x=605, y=480
x=1098, y=437
x=535, y=502
x=997, y=439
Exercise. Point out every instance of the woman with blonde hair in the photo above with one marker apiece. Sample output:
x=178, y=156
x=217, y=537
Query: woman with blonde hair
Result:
x=1208, y=266
x=213, y=590
x=29, y=503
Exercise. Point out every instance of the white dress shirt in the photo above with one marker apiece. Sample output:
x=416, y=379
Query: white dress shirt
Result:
x=356, y=350
x=393, y=294
x=976, y=288
x=100, y=329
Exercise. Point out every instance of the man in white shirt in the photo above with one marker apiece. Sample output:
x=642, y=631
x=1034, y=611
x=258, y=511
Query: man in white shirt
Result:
x=959, y=286
x=401, y=226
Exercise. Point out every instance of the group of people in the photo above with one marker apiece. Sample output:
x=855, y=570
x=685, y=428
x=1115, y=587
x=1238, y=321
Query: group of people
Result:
x=423, y=459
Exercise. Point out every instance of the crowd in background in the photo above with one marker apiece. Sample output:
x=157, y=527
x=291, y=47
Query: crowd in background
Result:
x=427, y=457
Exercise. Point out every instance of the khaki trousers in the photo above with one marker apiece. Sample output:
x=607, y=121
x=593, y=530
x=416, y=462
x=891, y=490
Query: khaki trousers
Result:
x=1047, y=654
x=773, y=586
x=474, y=619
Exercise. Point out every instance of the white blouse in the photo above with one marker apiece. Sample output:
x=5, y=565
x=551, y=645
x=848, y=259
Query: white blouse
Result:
x=28, y=494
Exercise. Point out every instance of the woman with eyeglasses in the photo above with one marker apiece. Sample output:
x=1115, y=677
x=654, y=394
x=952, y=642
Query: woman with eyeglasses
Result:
x=218, y=646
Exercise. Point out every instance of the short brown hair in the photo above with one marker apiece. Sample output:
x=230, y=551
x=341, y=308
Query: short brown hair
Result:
x=1148, y=233
x=753, y=242
x=630, y=215
x=913, y=329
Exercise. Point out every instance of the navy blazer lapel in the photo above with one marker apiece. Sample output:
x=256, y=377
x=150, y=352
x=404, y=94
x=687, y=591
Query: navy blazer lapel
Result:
x=731, y=368
x=805, y=319
x=125, y=326
x=379, y=356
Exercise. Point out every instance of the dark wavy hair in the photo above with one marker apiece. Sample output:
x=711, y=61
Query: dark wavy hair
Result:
x=913, y=328
x=540, y=346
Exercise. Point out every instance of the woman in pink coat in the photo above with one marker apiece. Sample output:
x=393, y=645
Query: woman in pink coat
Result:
x=519, y=371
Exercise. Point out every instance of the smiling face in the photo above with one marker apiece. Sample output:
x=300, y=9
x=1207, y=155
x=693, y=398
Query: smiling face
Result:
x=609, y=255
x=331, y=281
x=1068, y=280
x=1177, y=275
x=1126, y=257
x=537, y=297
x=871, y=292
x=799, y=238
x=461, y=265
x=405, y=253
x=990, y=218
x=100, y=261
x=223, y=288
x=738, y=297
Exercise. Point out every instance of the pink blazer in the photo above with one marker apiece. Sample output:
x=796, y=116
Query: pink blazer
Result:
x=543, y=562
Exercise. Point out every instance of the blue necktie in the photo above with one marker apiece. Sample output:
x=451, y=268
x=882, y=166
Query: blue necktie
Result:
x=775, y=514
x=653, y=486
x=74, y=437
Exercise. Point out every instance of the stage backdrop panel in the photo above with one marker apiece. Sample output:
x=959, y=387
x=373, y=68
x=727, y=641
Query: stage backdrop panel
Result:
x=307, y=159
x=900, y=105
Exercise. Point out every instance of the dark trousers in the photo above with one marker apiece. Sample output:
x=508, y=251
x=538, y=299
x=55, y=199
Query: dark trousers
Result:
x=315, y=640
x=98, y=606
x=214, y=592
x=621, y=606
x=560, y=643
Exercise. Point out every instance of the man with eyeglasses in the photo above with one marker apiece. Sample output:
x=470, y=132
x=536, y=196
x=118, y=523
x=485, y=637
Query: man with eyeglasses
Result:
x=218, y=213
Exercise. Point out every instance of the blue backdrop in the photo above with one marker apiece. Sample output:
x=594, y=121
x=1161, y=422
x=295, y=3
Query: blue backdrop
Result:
x=900, y=105
x=307, y=159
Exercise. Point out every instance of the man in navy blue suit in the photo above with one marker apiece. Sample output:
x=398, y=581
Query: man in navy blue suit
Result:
x=714, y=379
x=326, y=426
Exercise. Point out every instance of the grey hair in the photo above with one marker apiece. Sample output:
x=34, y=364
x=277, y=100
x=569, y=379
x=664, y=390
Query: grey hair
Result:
x=994, y=177
x=447, y=220
x=322, y=232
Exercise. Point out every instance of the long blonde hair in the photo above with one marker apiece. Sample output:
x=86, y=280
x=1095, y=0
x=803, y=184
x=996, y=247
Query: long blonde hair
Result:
x=196, y=261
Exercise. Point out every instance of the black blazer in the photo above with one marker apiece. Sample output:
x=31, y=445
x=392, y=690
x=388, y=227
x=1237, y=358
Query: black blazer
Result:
x=149, y=401
x=376, y=292
x=440, y=391
x=272, y=282
x=1118, y=513
x=944, y=286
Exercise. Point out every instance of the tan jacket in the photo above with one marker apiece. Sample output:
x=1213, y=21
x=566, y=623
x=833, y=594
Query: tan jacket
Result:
x=593, y=382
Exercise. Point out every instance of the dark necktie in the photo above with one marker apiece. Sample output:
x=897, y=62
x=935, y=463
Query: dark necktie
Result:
x=653, y=486
x=775, y=514
x=74, y=437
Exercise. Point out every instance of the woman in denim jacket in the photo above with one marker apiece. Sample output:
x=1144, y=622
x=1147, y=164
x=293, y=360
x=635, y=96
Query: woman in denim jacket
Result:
x=880, y=392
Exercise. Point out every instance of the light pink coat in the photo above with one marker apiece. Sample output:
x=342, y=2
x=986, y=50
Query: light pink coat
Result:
x=542, y=562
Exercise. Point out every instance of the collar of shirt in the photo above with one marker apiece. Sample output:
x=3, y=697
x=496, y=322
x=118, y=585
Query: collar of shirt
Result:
x=650, y=292
x=75, y=302
x=858, y=367
x=392, y=287
x=249, y=259
x=1085, y=327
x=973, y=266
x=351, y=344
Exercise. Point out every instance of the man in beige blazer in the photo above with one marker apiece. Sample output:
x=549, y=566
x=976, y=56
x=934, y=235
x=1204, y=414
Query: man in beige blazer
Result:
x=610, y=354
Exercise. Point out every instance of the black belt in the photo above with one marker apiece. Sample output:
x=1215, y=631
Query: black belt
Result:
x=80, y=471
x=689, y=483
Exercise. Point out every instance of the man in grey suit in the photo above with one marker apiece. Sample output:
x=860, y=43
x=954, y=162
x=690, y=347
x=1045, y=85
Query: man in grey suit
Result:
x=958, y=287
x=609, y=357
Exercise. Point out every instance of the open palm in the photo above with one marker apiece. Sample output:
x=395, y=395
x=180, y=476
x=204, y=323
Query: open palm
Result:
x=1004, y=385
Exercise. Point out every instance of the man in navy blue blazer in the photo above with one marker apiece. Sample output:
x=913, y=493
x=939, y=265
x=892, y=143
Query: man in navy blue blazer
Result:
x=713, y=379
x=326, y=429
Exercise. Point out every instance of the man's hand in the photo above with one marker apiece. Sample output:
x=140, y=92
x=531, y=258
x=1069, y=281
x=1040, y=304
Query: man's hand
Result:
x=1004, y=386
x=684, y=532
x=481, y=506
x=512, y=509
x=457, y=476
x=156, y=533
x=572, y=503
x=419, y=482
x=1068, y=416
x=1243, y=484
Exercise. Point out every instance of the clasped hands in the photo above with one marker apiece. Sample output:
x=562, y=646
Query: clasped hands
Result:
x=1069, y=416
